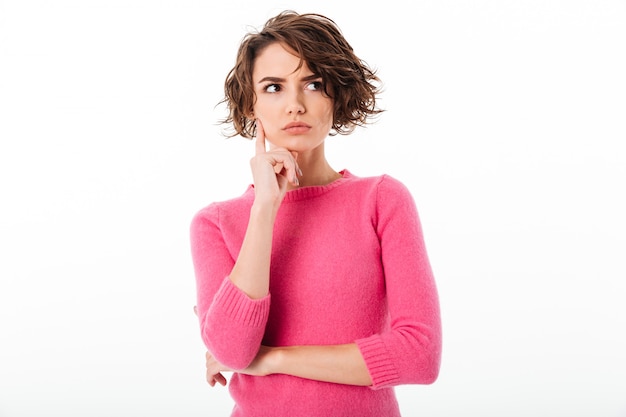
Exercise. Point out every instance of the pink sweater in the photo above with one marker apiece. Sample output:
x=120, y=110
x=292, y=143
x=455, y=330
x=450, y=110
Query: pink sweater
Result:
x=348, y=265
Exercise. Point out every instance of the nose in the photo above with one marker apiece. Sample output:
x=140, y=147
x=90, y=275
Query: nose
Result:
x=295, y=104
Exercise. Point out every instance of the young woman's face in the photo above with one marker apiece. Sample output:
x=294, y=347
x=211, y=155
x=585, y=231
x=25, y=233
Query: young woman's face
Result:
x=291, y=104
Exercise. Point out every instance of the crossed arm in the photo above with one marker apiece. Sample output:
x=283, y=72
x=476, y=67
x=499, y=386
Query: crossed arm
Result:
x=342, y=364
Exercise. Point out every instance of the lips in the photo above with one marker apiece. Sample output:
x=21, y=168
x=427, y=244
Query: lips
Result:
x=296, y=128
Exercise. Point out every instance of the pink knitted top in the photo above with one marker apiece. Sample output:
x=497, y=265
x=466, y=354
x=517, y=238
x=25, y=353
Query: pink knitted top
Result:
x=348, y=265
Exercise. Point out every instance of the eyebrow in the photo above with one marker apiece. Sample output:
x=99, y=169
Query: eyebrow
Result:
x=280, y=80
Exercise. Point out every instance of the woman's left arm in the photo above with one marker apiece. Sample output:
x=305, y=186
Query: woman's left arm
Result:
x=340, y=364
x=409, y=352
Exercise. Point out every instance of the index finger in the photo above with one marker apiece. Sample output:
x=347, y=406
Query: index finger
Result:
x=260, y=138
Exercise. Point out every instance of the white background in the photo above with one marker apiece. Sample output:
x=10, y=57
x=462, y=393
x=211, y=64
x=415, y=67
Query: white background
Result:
x=506, y=119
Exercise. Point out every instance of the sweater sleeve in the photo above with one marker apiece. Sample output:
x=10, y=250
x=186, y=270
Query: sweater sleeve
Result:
x=410, y=351
x=231, y=324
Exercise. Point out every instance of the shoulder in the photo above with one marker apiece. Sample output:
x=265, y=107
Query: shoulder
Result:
x=383, y=185
x=392, y=185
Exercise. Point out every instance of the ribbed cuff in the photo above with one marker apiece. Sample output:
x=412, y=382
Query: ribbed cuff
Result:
x=236, y=305
x=379, y=362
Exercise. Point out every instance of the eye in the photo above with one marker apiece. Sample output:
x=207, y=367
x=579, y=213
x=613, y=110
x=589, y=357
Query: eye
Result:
x=315, y=86
x=272, y=88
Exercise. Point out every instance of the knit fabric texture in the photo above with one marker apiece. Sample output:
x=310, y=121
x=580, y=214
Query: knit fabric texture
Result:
x=348, y=265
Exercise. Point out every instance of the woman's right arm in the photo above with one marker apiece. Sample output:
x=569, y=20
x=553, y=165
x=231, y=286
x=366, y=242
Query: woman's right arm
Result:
x=252, y=268
x=233, y=320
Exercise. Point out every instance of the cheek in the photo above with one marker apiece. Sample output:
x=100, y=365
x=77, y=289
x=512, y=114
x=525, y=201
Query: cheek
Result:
x=262, y=112
x=270, y=127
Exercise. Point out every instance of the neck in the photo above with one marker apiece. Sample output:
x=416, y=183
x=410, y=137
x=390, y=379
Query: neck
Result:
x=315, y=170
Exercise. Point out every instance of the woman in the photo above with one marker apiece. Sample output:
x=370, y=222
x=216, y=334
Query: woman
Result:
x=314, y=286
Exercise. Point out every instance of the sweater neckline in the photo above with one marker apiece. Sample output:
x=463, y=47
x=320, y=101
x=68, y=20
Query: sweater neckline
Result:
x=303, y=193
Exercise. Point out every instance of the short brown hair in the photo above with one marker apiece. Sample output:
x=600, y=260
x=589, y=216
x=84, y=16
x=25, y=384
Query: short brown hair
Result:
x=319, y=42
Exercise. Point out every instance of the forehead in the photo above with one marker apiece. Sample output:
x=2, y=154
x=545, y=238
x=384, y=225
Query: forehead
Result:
x=280, y=61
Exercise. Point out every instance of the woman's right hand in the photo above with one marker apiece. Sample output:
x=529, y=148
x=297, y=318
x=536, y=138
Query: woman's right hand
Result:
x=272, y=171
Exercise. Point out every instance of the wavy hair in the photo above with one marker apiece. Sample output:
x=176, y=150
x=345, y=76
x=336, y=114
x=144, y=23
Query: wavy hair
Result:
x=318, y=41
